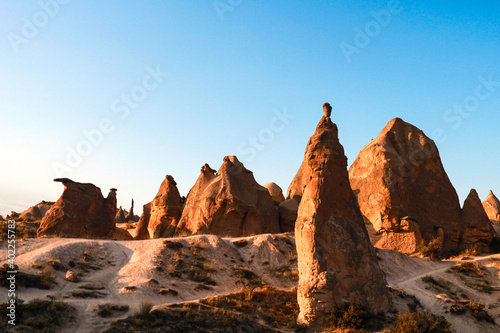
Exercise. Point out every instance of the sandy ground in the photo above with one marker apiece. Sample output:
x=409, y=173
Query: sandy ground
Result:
x=130, y=272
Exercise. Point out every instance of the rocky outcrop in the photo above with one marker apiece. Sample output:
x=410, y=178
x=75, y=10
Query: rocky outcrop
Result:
x=229, y=203
x=160, y=216
x=36, y=212
x=122, y=234
x=165, y=210
x=288, y=215
x=275, y=191
x=141, y=230
x=130, y=216
x=477, y=228
x=337, y=263
x=120, y=216
x=400, y=174
x=492, y=207
x=81, y=212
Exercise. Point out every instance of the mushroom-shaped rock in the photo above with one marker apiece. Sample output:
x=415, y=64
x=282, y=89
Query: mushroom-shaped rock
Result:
x=81, y=212
x=337, y=263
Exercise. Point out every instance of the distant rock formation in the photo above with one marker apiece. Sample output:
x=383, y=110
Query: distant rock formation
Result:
x=160, y=216
x=120, y=216
x=492, y=207
x=141, y=230
x=400, y=174
x=229, y=203
x=477, y=228
x=81, y=212
x=36, y=212
x=130, y=216
x=337, y=263
x=275, y=191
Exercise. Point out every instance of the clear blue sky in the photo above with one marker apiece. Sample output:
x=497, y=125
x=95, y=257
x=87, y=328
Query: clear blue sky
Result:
x=232, y=65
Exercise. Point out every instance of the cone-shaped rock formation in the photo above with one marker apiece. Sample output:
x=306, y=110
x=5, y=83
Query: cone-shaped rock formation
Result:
x=230, y=203
x=477, y=228
x=399, y=175
x=337, y=263
x=492, y=207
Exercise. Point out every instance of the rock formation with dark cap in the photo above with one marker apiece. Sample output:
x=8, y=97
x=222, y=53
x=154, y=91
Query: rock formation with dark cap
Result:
x=336, y=261
x=81, y=212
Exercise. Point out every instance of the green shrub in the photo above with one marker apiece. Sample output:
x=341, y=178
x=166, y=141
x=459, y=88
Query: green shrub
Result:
x=430, y=250
x=41, y=315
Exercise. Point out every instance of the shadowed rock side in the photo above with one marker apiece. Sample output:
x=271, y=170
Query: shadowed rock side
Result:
x=130, y=216
x=120, y=216
x=477, y=228
x=162, y=214
x=337, y=263
x=81, y=212
x=275, y=191
x=229, y=203
x=288, y=215
x=399, y=174
x=36, y=212
x=492, y=207
x=141, y=230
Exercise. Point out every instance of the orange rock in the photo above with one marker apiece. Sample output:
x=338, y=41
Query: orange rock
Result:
x=399, y=174
x=275, y=191
x=229, y=203
x=337, y=263
x=81, y=212
x=477, y=228
x=492, y=207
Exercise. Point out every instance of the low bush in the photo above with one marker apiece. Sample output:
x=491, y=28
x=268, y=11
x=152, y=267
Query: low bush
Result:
x=420, y=322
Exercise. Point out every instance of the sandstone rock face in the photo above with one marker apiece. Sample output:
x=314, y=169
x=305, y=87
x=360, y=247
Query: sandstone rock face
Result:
x=399, y=174
x=163, y=213
x=81, y=212
x=36, y=212
x=337, y=263
x=477, y=228
x=404, y=237
x=288, y=215
x=122, y=234
x=492, y=207
x=130, y=216
x=141, y=230
x=275, y=191
x=229, y=203
x=120, y=216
